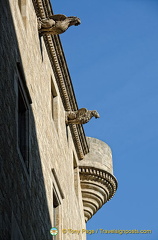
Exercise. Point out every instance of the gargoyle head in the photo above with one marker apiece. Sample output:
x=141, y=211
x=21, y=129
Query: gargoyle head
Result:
x=74, y=21
x=95, y=114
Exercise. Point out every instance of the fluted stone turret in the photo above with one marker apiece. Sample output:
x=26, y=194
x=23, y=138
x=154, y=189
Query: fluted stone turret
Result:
x=96, y=175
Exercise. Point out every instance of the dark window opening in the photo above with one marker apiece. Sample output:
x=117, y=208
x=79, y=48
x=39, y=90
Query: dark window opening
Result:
x=53, y=105
x=19, y=4
x=23, y=126
x=53, y=101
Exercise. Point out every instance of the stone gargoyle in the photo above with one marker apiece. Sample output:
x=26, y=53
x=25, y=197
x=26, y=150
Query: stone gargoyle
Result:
x=80, y=116
x=56, y=24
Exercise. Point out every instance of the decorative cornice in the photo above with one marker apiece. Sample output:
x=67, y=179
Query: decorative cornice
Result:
x=39, y=8
x=56, y=55
x=98, y=186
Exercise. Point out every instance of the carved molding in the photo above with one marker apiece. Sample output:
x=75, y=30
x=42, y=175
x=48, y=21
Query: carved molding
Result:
x=98, y=187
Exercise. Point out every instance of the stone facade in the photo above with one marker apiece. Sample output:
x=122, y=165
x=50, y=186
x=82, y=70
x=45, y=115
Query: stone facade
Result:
x=41, y=166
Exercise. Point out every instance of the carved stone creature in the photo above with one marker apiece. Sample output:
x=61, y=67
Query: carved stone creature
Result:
x=81, y=116
x=56, y=24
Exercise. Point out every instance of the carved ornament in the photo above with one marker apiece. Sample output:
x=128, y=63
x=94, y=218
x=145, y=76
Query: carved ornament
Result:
x=80, y=116
x=56, y=24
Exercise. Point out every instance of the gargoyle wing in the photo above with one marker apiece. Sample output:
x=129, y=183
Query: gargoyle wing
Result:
x=58, y=17
x=81, y=112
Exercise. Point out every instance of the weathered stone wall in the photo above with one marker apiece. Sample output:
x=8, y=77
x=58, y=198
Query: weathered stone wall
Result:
x=26, y=201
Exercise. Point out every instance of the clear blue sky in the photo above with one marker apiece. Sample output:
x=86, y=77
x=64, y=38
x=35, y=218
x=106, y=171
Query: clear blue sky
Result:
x=113, y=61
